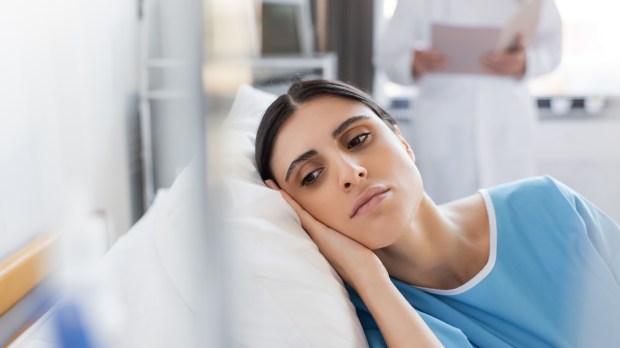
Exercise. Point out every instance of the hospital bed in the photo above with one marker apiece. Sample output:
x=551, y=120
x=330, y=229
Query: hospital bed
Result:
x=281, y=291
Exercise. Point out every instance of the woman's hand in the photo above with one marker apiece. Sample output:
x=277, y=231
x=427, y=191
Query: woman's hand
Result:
x=426, y=61
x=399, y=323
x=507, y=63
x=355, y=263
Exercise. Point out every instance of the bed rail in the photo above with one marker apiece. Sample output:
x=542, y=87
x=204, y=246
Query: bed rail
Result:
x=26, y=268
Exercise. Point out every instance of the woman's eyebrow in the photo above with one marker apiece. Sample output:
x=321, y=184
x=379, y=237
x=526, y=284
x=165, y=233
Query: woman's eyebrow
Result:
x=304, y=156
x=341, y=128
x=310, y=153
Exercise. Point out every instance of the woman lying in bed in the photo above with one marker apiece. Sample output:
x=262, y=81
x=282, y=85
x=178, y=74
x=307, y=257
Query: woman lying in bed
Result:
x=527, y=264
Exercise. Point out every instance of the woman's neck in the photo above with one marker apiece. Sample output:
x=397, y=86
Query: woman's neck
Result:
x=444, y=247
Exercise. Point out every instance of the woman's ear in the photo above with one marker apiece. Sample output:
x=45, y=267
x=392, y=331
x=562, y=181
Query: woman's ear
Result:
x=405, y=143
x=272, y=185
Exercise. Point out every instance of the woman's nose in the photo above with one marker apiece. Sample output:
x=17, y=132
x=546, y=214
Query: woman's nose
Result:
x=351, y=174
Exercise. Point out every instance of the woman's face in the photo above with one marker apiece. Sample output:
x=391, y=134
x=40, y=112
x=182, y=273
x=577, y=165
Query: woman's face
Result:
x=349, y=170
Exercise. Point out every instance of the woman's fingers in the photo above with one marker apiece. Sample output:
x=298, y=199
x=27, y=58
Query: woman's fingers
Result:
x=308, y=222
x=322, y=235
x=272, y=185
x=303, y=215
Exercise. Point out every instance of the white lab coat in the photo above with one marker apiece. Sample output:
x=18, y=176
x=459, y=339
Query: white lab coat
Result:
x=469, y=131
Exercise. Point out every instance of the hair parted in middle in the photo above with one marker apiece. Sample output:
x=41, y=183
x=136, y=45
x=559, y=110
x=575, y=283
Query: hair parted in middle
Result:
x=302, y=91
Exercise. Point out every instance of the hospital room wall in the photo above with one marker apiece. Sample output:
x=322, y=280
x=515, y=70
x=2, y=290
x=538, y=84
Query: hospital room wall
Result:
x=68, y=102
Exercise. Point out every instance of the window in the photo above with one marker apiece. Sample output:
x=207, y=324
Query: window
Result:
x=590, y=52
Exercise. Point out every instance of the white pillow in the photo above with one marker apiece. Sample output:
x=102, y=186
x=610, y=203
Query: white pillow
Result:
x=285, y=294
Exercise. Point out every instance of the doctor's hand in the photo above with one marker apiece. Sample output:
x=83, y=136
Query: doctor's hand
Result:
x=355, y=263
x=427, y=61
x=507, y=63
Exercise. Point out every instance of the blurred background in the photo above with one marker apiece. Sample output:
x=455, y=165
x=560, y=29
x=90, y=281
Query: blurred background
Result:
x=103, y=103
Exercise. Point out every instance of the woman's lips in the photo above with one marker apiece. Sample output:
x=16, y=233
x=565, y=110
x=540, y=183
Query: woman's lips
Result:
x=368, y=200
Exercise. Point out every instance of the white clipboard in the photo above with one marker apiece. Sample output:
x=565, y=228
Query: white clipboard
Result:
x=465, y=46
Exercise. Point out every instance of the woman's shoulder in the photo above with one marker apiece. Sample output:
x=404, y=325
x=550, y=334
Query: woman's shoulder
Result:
x=542, y=201
x=532, y=192
x=535, y=189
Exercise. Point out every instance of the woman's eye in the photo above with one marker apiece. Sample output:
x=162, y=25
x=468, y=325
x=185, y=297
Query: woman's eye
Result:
x=311, y=178
x=358, y=140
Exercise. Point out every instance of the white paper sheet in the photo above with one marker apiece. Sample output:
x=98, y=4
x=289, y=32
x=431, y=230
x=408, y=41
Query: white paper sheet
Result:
x=464, y=46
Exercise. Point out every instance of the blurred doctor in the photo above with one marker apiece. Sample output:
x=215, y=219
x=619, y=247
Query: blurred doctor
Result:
x=470, y=130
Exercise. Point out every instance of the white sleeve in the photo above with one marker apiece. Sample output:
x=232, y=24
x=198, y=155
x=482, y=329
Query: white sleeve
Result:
x=544, y=52
x=395, y=50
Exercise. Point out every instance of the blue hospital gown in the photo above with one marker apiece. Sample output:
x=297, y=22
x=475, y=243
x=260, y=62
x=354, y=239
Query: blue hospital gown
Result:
x=552, y=279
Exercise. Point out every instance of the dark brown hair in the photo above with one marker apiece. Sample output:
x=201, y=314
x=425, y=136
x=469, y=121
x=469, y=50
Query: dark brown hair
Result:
x=285, y=105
